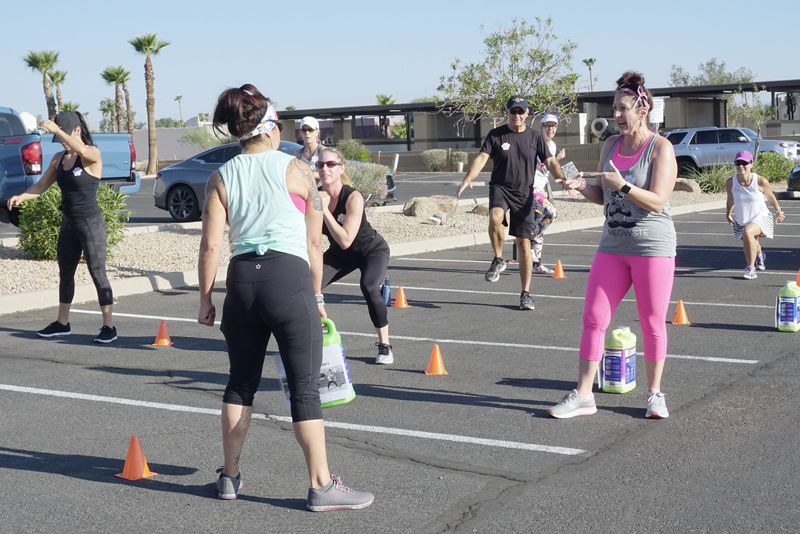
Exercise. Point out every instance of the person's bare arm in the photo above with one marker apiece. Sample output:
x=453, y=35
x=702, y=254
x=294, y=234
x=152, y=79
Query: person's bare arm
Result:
x=212, y=235
x=345, y=233
x=476, y=167
x=664, y=172
x=39, y=187
x=766, y=189
x=729, y=200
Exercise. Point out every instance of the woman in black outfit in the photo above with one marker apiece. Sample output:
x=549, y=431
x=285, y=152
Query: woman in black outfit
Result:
x=354, y=244
x=77, y=171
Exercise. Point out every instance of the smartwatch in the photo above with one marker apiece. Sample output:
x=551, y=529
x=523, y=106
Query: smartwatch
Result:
x=625, y=189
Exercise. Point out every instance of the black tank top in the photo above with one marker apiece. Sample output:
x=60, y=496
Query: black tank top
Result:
x=78, y=191
x=365, y=235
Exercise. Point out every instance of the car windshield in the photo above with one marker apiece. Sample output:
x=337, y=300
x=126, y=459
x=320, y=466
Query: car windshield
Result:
x=750, y=133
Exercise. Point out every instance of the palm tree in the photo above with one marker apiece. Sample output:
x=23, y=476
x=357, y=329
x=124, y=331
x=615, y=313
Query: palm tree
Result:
x=68, y=106
x=589, y=62
x=112, y=77
x=149, y=44
x=44, y=62
x=124, y=76
x=383, y=120
x=180, y=112
x=58, y=77
x=108, y=110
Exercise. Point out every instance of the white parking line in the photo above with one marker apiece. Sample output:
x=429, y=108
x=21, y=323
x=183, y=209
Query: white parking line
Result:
x=441, y=340
x=726, y=234
x=725, y=223
x=470, y=440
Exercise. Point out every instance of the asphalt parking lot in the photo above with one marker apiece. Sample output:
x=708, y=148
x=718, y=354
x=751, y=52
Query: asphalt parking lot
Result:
x=472, y=451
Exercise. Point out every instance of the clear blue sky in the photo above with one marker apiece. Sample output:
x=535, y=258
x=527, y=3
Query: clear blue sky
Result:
x=329, y=54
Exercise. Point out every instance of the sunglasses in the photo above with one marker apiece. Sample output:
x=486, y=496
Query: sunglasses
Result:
x=307, y=129
x=329, y=164
x=741, y=163
x=517, y=111
x=551, y=125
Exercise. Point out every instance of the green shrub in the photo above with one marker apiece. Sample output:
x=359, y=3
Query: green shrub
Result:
x=712, y=179
x=435, y=159
x=205, y=138
x=353, y=150
x=457, y=157
x=772, y=166
x=40, y=221
x=369, y=179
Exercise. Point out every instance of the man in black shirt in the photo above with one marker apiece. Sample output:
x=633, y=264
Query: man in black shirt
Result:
x=513, y=148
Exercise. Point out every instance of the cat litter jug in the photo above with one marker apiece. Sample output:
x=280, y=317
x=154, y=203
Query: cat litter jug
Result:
x=787, y=308
x=617, y=372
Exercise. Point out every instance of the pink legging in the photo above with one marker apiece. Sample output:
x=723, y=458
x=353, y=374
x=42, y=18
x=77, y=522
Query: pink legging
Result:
x=609, y=280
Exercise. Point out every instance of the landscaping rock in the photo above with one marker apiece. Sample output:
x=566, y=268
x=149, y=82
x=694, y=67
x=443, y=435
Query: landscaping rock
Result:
x=425, y=207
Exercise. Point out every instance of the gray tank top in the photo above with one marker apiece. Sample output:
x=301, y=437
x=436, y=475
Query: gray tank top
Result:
x=628, y=228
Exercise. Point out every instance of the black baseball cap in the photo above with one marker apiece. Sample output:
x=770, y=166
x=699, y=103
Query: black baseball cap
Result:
x=67, y=121
x=517, y=101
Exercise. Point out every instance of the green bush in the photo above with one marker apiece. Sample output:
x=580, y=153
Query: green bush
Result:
x=459, y=157
x=435, y=159
x=772, y=166
x=712, y=179
x=40, y=221
x=353, y=150
x=205, y=138
x=369, y=179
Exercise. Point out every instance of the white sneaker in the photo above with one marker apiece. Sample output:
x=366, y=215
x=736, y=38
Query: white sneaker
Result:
x=572, y=405
x=656, y=405
x=541, y=268
x=749, y=273
x=385, y=355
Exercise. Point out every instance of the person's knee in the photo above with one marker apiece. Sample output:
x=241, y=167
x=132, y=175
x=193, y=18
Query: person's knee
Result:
x=496, y=217
x=523, y=244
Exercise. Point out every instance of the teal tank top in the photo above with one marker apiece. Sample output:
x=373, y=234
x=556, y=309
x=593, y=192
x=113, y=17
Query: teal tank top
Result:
x=261, y=214
x=629, y=229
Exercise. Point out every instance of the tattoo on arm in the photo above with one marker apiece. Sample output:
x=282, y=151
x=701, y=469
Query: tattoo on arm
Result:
x=316, y=202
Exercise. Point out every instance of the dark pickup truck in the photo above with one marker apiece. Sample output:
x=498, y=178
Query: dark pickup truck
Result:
x=25, y=154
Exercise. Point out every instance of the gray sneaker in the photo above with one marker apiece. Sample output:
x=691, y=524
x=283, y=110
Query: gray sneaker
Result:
x=572, y=405
x=525, y=301
x=760, y=261
x=656, y=406
x=228, y=487
x=498, y=266
x=385, y=355
x=337, y=496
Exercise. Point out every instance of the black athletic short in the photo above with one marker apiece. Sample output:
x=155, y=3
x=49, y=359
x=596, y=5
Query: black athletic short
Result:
x=523, y=217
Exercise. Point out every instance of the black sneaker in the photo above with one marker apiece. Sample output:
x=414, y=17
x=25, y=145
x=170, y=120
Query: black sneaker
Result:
x=497, y=267
x=107, y=334
x=525, y=301
x=55, y=329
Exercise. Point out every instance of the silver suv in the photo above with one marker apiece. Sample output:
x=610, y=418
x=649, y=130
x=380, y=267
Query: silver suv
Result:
x=702, y=147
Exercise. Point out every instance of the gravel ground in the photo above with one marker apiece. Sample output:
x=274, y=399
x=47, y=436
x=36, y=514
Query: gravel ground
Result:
x=176, y=250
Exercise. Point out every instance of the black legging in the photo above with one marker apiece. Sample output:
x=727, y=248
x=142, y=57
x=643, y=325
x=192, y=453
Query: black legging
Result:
x=88, y=236
x=272, y=294
x=372, y=264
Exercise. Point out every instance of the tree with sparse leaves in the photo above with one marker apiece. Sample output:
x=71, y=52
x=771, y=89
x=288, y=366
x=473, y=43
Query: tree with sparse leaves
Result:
x=525, y=58
x=589, y=62
x=58, y=77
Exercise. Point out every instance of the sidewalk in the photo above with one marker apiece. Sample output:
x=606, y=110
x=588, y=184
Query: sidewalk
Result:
x=48, y=298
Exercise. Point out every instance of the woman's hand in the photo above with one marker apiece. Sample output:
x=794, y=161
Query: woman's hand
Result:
x=13, y=202
x=729, y=217
x=613, y=180
x=325, y=198
x=779, y=216
x=49, y=126
x=322, y=312
x=561, y=154
x=207, y=314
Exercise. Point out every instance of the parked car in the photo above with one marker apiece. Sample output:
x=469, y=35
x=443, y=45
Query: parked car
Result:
x=25, y=154
x=696, y=148
x=793, y=186
x=181, y=188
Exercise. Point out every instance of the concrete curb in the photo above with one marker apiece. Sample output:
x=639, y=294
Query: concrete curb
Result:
x=48, y=298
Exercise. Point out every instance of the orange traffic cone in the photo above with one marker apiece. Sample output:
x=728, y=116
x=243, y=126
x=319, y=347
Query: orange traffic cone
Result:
x=559, y=271
x=797, y=280
x=435, y=362
x=400, y=299
x=135, y=464
x=162, y=337
x=680, y=315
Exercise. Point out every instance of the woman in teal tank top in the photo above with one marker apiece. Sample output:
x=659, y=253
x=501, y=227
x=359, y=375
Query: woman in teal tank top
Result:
x=273, y=278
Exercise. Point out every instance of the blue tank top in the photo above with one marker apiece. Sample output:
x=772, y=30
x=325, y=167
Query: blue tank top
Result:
x=261, y=214
x=628, y=228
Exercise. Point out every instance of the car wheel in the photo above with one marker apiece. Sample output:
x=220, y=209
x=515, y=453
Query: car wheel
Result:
x=182, y=204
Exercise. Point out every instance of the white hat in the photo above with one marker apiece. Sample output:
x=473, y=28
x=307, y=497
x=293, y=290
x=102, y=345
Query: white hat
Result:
x=309, y=121
x=549, y=117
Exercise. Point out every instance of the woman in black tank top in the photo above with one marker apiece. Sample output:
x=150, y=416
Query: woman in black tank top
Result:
x=77, y=171
x=354, y=244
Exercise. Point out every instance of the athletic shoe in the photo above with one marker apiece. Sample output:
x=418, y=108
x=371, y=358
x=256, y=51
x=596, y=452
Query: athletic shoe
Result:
x=540, y=268
x=337, y=496
x=497, y=267
x=572, y=405
x=385, y=355
x=107, y=334
x=228, y=487
x=525, y=301
x=55, y=329
x=749, y=273
x=656, y=405
x=760, y=259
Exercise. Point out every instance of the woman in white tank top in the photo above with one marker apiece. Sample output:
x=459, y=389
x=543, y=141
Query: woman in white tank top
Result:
x=747, y=211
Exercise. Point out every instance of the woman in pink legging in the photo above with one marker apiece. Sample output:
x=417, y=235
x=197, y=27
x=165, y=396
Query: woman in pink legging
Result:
x=637, y=247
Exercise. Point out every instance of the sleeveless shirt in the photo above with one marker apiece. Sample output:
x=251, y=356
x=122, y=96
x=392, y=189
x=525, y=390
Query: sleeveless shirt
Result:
x=366, y=233
x=78, y=190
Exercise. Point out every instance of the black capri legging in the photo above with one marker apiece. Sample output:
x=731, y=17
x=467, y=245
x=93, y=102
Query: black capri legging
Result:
x=372, y=263
x=272, y=295
x=88, y=236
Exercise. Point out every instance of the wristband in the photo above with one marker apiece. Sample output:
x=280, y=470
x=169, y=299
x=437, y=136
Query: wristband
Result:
x=320, y=298
x=625, y=189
